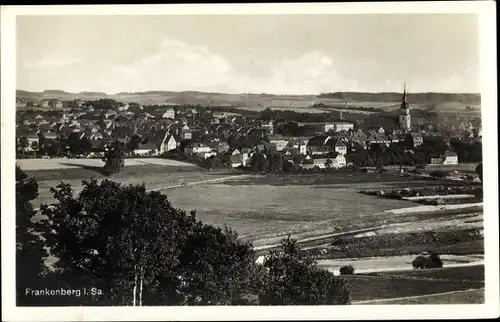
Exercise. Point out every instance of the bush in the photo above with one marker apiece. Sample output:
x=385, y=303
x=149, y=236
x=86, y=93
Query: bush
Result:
x=347, y=270
x=427, y=260
x=438, y=174
x=293, y=278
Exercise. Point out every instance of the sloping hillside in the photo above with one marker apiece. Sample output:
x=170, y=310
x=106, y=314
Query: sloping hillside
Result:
x=374, y=100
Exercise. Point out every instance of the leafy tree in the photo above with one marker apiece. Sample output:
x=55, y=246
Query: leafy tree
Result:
x=438, y=174
x=293, y=278
x=140, y=250
x=258, y=162
x=184, y=143
x=217, y=268
x=35, y=146
x=479, y=171
x=133, y=143
x=347, y=270
x=276, y=162
x=113, y=158
x=22, y=145
x=409, y=142
x=328, y=163
x=30, y=254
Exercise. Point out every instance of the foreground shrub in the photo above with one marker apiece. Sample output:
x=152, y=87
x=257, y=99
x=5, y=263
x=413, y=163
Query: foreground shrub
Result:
x=427, y=260
x=293, y=278
x=139, y=249
x=347, y=270
x=438, y=174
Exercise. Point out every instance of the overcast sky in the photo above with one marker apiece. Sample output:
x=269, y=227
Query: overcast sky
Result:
x=282, y=54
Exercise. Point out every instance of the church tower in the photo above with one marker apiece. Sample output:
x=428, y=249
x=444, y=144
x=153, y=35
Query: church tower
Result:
x=404, y=113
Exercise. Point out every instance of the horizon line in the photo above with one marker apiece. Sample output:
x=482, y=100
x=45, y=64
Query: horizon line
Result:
x=248, y=93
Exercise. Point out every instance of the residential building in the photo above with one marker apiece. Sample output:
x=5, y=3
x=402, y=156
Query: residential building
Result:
x=417, y=139
x=449, y=158
x=197, y=148
x=168, y=143
x=340, y=148
x=281, y=142
x=343, y=126
x=339, y=161
x=169, y=114
x=186, y=134
x=236, y=161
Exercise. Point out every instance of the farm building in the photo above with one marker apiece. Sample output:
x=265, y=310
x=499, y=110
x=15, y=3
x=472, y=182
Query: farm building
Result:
x=448, y=158
x=169, y=114
x=343, y=126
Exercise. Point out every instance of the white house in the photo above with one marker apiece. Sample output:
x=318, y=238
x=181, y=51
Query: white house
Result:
x=244, y=159
x=417, y=139
x=168, y=143
x=302, y=148
x=340, y=148
x=197, y=148
x=186, y=134
x=450, y=158
x=339, y=161
x=169, y=114
x=279, y=141
x=236, y=161
x=206, y=155
x=343, y=126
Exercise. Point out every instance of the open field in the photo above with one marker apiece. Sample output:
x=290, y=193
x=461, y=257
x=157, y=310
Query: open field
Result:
x=462, y=167
x=263, y=211
x=395, y=263
x=66, y=163
x=260, y=212
x=266, y=209
x=284, y=108
x=365, y=288
x=468, y=273
x=472, y=296
x=154, y=176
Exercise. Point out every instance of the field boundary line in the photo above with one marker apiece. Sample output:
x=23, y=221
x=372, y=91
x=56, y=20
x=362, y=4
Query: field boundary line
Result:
x=200, y=182
x=417, y=296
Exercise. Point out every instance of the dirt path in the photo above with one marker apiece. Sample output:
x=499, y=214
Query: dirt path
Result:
x=201, y=182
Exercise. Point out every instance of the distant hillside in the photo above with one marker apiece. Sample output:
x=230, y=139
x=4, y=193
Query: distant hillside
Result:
x=92, y=94
x=435, y=98
x=374, y=100
x=55, y=92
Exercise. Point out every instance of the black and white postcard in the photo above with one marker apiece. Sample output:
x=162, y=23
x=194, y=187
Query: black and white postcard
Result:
x=251, y=161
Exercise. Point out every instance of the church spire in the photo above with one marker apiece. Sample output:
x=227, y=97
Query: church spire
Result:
x=404, y=103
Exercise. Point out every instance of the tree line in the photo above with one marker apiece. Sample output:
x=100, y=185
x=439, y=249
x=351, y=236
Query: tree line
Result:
x=129, y=246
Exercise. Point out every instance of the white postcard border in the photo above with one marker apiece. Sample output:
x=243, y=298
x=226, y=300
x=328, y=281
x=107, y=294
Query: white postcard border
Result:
x=486, y=10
